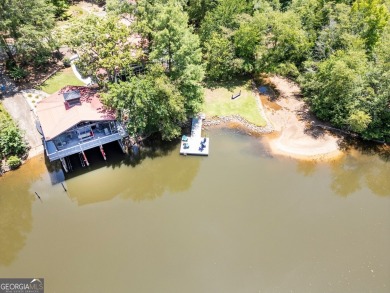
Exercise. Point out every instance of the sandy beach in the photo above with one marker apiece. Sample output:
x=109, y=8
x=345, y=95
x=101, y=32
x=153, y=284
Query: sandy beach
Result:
x=296, y=134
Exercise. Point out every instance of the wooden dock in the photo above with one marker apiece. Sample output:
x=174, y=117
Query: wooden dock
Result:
x=195, y=144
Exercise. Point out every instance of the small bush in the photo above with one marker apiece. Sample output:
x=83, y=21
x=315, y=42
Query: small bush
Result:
x=14, y=162
x=41, y=59
x=11, y=138
x=66, y=62
x=29, y=95
x=18, y=73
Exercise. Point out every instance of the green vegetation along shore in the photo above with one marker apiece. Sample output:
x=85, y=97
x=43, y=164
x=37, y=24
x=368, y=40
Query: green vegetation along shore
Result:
x=12, y=145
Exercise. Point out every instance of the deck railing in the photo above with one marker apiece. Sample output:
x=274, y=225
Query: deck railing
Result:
x=83, y=146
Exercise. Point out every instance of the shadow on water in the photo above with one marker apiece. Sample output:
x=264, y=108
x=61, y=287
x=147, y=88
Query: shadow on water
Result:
x=17, y=197
x=368, y=148
x=55, y=171
x=152, y=148
x=365, y=165
x=307, y=168
x=157, y=169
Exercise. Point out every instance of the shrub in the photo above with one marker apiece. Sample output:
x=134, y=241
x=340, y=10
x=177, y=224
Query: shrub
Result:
x=41, y=59
x=66, y=62
x=14, y=162
x=17, y=73
x=11, y=138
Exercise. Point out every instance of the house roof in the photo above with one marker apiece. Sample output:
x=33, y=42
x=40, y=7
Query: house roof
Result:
x=56, y=116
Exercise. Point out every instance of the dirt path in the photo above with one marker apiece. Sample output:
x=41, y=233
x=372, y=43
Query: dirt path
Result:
x=294, y=125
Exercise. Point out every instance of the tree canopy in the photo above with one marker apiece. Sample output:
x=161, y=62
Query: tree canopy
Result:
x=25, y=30
x=148, y=103
x=106, y=47
x=169, y=90
x=337, y=51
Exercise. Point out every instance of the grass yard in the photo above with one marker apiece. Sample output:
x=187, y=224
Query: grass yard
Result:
x=218, y=102
x=59, y=80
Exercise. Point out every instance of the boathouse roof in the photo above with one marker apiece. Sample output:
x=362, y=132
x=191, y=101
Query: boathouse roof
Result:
x=56, y=115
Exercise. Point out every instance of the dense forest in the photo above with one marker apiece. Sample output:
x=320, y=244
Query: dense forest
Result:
x=151, y=57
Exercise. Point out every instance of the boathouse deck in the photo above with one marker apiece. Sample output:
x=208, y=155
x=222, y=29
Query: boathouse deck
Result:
x=73, y=142
x=195, y=144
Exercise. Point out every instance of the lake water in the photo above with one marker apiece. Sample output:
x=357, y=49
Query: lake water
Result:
x=239, y=220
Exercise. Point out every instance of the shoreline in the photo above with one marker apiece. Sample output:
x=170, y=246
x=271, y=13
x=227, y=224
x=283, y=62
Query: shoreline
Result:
x=286, y=133
x=290, y=130
x=270, y=138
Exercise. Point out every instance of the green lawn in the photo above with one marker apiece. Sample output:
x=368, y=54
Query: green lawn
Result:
x=59, y=80
x=218, y=102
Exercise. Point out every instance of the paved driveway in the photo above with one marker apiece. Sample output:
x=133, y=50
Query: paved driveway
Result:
x=18, y=108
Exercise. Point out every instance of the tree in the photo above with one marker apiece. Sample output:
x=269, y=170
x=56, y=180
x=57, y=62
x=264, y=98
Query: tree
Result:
x=312, y=15
x=339, y=91
x=358, y=121
x=120, y=7
x=175, y=45
x=60, y=7
x=285, y=45
x=379, y=77
x=370, y=17
x=266, y=5
x=247, y=38
x=28, y=24
x=221, y=63
x=336, y=33
x=197, y=10
x=149, y=103
x=11, y=139
x=223, y=16
x=105, y=46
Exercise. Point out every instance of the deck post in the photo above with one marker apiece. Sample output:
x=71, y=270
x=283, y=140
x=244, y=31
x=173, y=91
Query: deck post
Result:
x=122, y=146
x=64, y=164
x=103, y=153
x=84, y=156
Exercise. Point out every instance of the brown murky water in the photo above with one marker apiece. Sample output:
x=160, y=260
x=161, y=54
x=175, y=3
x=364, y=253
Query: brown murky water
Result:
x=266, y=102
x=237, y=221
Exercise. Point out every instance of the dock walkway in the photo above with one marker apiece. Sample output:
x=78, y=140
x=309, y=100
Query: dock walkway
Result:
x=195, y=144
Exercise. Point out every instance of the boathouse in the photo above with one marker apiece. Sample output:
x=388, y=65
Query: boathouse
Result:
x=74, y=120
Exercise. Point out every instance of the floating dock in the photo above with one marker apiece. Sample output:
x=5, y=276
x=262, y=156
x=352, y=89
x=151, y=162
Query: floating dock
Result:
x=195, y=144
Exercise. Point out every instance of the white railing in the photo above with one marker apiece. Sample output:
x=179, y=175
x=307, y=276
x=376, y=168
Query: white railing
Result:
x=84, y=146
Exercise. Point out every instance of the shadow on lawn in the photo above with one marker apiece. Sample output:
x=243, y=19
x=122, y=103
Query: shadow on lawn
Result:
x=230, y=85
